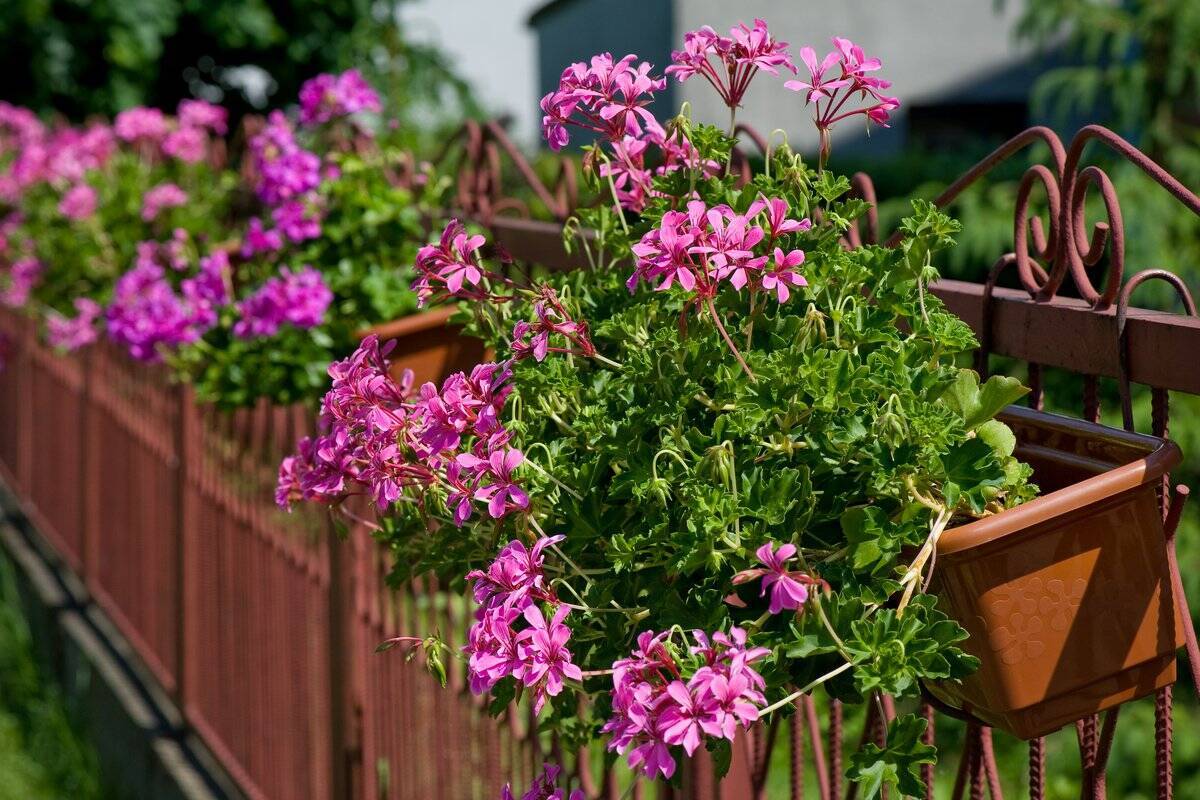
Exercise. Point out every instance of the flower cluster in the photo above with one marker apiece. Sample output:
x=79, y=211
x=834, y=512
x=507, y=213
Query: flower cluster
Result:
x=141, y=124
x=297, y=298
x=605, y=96
x=285, y=169
x=532, y=339
x=508, y=594
x=57, y=157
x=203, y=115
x=327, y=97
x=288, y=176
x=701, y=247
x=738, y=58
x=544, y=787
x=23, y=276
x=73, y=333
x=78, y=202
x=449, y=439
x=451, y=268
x=146, y=314
x=656, y=707
x=184, y=137
x=165, y=195
x=850, y=81
x=633, y=178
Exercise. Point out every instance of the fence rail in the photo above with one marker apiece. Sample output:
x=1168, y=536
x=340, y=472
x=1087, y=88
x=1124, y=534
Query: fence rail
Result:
x=264, y=626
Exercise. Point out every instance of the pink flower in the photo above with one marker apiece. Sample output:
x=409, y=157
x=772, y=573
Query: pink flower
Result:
x=285, y=170
x=777, y=218
x=547, y=661
x=816, y=86
x=141, y=123
x=552, y=318
x=189, y=145
x=79, y=202
x=259, y=240
x=783, y=274
x=450, y=264
x=201, y=114
x=327, y=97
x=493, y=652
x=656, y=708
x=23, y=276
x=297, y=221
x=516, y=578
x=786, y=592
x=851, y=81
x=298, y=298
x=738, y=58
x=495, y=474
x=72, y=334
x=685, y=720
x=604, y=96
x=543, y=787
x=165, y=195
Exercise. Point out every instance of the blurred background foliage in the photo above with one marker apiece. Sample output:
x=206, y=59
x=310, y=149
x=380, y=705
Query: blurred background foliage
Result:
x=82, y=57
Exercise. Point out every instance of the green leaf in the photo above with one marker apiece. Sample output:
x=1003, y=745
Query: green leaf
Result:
x=998, y=436
x=977, y=404
x=896, y=765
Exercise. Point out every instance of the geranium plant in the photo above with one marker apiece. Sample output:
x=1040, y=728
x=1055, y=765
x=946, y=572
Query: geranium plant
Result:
x=328, y=252
x=706, y=474
x=140, y=231
x=144, y=197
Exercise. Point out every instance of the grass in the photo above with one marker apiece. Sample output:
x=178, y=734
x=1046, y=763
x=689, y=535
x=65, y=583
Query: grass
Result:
x=41, y=755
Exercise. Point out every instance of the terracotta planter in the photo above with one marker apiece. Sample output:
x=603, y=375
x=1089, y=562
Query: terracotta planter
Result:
x=428, y=346
x=1067, y=598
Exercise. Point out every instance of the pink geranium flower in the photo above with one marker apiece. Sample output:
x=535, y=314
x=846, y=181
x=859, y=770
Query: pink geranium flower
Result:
x=163, y=196
x=730, y=63
x=547, y=661
x=79, y=202
x=786, y=592
x=850, y=81
x=783, y=274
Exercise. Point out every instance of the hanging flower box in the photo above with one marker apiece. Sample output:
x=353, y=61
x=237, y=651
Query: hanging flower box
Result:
x=428, y=345
x=1067, y=598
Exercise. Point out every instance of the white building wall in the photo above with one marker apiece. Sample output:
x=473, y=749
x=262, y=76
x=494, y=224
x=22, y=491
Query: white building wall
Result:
x=493, y=49
x=927, y=46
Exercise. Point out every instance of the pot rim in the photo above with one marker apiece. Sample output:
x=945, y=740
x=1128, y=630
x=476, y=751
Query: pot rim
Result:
x=1160, y=455
x=418, y=322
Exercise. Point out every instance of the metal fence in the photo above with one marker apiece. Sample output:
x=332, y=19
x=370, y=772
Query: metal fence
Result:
x=264, y=626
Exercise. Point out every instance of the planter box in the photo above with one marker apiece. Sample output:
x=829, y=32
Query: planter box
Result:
x=428, y=346
x=1067, y=599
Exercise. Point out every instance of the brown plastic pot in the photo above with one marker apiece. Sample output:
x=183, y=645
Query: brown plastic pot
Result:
x=429, y=346
x=1067, y=598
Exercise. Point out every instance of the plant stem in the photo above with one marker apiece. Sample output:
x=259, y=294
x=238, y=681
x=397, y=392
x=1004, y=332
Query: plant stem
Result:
x=555, y=480
x=612, y=187
x=801, y=692
x=732, y=128
x=712, y=309
x=912, y=578
x=608, y=361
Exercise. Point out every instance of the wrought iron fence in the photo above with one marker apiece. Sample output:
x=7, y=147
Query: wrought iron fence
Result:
x=264, y=626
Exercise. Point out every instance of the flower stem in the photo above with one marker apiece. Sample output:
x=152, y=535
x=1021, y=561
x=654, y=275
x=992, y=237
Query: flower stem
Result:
x=608, y=361
x=612, y=187
x=553, y=479
x=796, y=695
x=712, y=309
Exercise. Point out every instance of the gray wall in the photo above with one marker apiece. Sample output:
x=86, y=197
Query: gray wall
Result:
x=575, y=30
x=932, y=51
